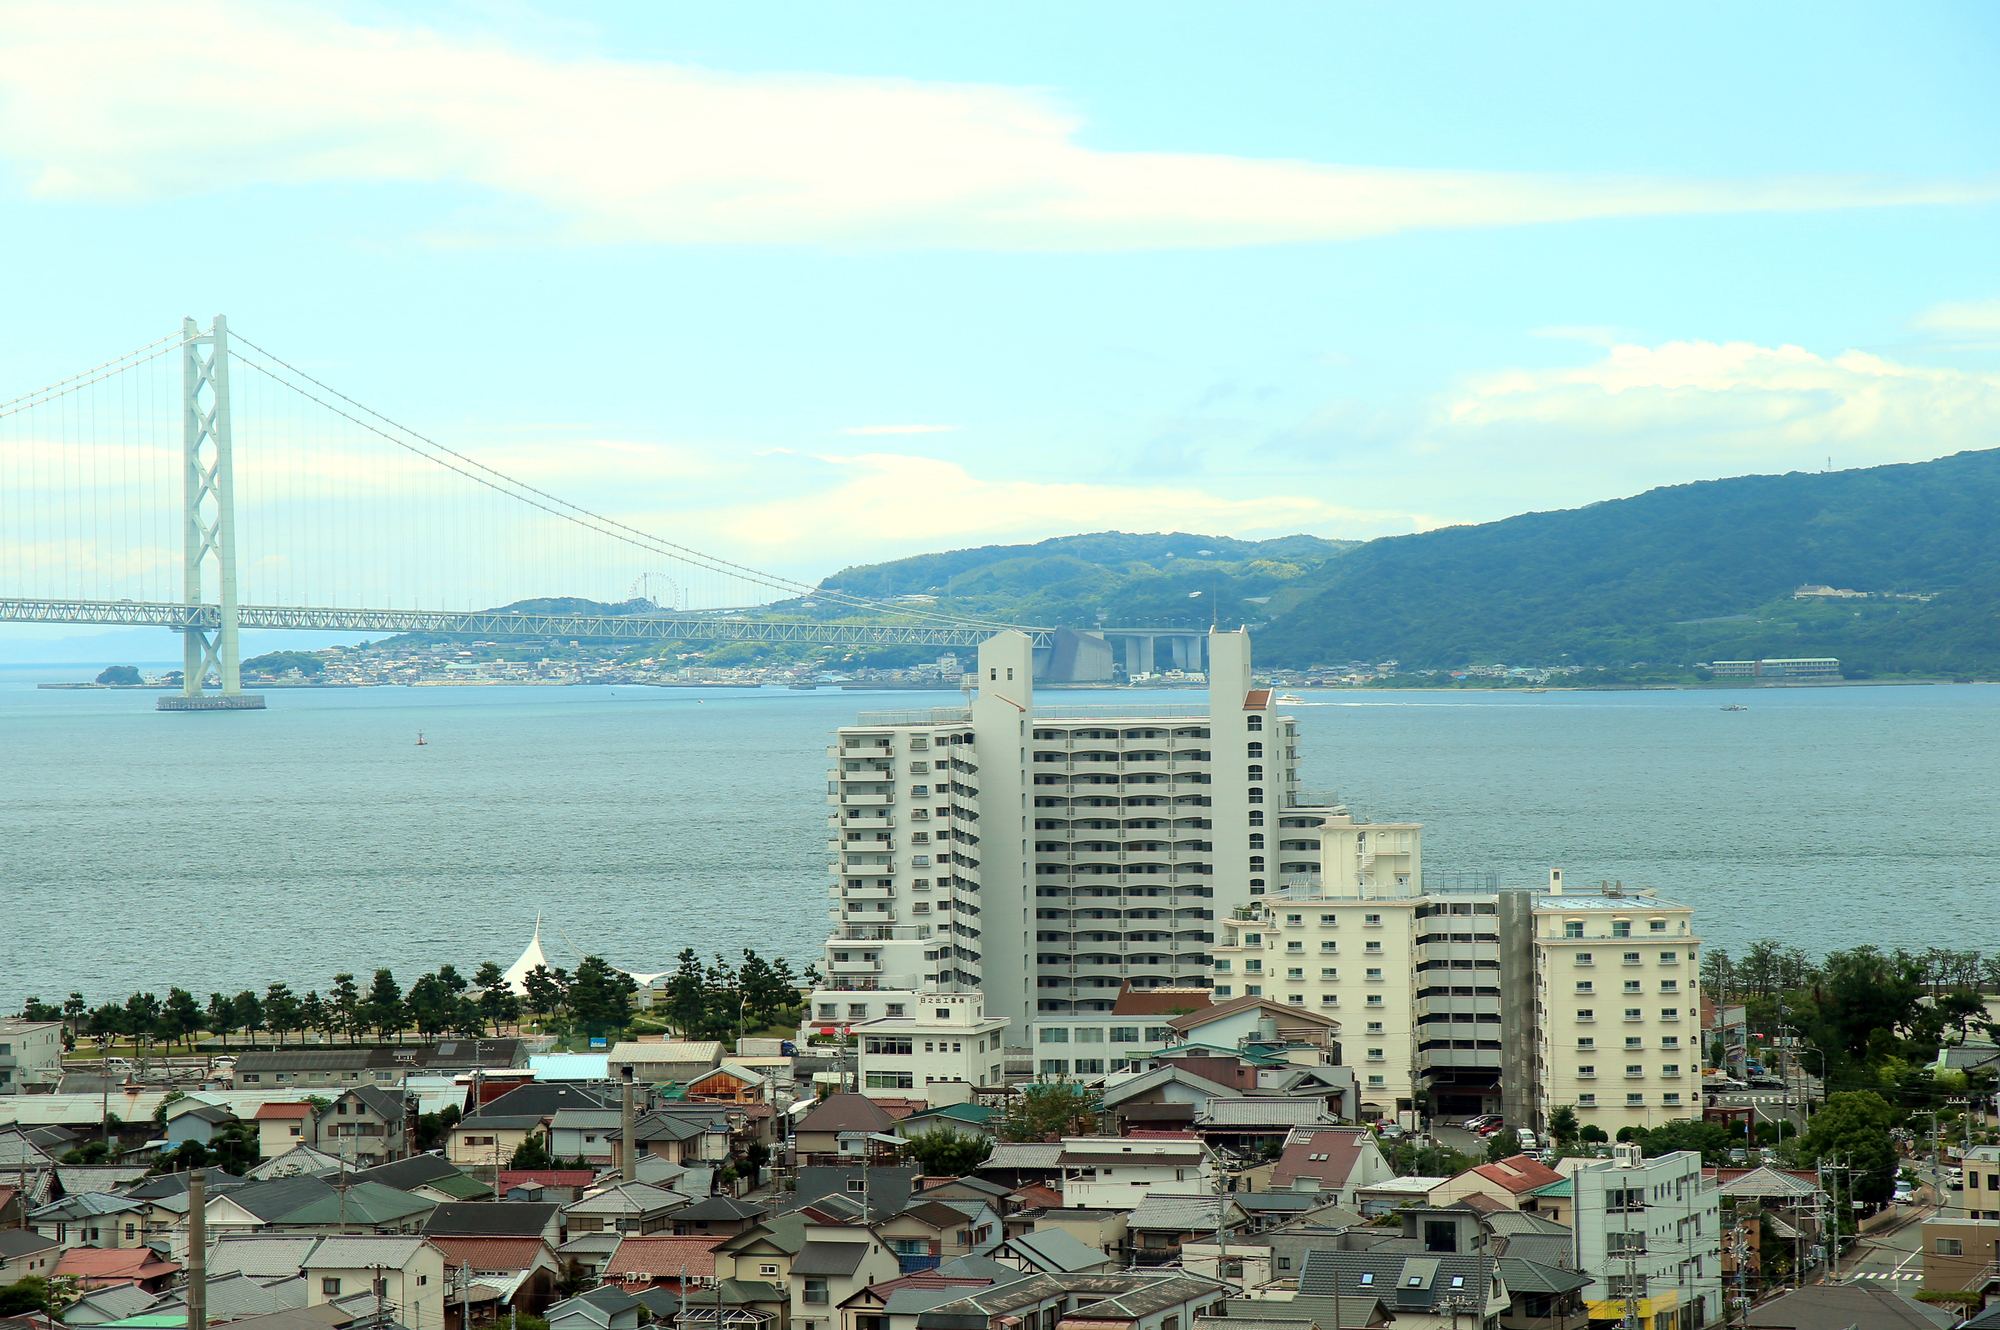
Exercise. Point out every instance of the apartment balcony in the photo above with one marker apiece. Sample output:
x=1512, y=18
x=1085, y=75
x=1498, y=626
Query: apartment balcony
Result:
x=853, y=967
x=868, y=820
x=868, y=893
x=850, y=931
x=858, y=799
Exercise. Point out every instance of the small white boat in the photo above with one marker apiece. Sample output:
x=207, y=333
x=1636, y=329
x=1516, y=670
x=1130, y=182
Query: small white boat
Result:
x=1733, y=707
x=1289, y=699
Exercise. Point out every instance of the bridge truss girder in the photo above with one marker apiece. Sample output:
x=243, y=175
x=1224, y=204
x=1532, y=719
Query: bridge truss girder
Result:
x=490, y=623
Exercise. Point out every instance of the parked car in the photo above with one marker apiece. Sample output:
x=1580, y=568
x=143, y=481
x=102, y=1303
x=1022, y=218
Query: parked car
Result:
x=1480, y=1122
x=1526, y=1138
x=1390, y=1131
x=1492, y=1129
x=1903, y=1194
x=1739, y=1156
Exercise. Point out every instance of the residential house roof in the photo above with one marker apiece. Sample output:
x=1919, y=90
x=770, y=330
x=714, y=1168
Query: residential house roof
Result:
x=1404, y=1282
x=103, y=1305
x=1522, y=1223
x=1159, y=1001
x=1162, y=1213
x=675, y=1050
x=785, y=1233
x=259, y=1256
x=846, y=1112
x=278, y=1196
x=511, y=1178
x=96, y=1266
x=17, y=1242
x=719, y=1207
x=1261, y=1113
x=629, y=1198
x=494, y=1255
x=98, y=1177
x=234, y=1296
x=359, y=1203
x=421, y=1171
x=828, y=1258
x=1769, y=1182
x=1017, y=1155
x=1174, y=1073
x=382, y=1103
x=1517, y=1174
x=1195, y=1020
x=1853, y=1306
x=300, y=1160
x=542, y=1099
x=648, y=1258
x=497, y=1219
x=1053, y=1250
x=1327, y=1155
x=1557, y=1251
x=347, y=1252
x=282, y=1112
x=660, y=1126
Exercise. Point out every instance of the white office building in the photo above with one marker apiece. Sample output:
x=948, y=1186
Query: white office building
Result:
x=1648, y=1232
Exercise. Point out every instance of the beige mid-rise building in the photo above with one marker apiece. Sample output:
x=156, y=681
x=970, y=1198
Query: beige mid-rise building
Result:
x=1619, y=1002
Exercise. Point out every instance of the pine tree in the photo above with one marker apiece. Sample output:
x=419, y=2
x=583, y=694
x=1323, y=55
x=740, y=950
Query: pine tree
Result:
x=346, y=1002
x=281, y=1011
x=247, y=1012
x=313, y=1012
x=221, y=1016
x=687, y=993
x=385, y=1008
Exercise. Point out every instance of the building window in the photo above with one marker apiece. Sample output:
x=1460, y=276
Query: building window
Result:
x=1584, y=1041
x=1376, y=1082
x=890, y=1080
x=1328, y=973
x=1657, y=925
x=1371, y=921
x=1584, y=958
x=1090, y=1066
x=1329, y=947
x=1621, y=928
x=1055, y=1066
x=1585, y=986
x=1950, y=1247
x=1671, y=1098
x=1124, y=1034
x=1635, y=1100
x=1572, y=928
x=815, y=1290
x=1667, y=1013
x=1375, y=1000
x=330, y=1287
x=1586, y=1101
x=1587, y=1069
x=1054, y=1035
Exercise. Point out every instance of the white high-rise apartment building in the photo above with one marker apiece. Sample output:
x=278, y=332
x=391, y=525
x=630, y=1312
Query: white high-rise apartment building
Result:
x=1046, y=857
x=1050, y=856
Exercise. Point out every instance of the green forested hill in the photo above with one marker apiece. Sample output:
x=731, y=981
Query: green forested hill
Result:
x=1618, y=582
x=1613, y=584
x=1160, y=580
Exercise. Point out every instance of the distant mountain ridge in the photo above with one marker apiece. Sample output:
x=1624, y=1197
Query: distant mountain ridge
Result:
x=1615, y=583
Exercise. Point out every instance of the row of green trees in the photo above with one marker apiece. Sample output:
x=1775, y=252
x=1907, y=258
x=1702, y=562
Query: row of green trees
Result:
x=709, y=1001
x=703, y=1000
x=442, y=1002
x=1768, y=968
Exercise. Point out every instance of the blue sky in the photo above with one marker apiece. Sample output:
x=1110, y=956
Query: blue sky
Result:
x=812, y=284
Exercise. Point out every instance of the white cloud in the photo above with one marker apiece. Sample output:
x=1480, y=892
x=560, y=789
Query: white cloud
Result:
x=1743, y=406
x=891, y=504
x=1961, y=316
x=900, y=429
x=106, y=100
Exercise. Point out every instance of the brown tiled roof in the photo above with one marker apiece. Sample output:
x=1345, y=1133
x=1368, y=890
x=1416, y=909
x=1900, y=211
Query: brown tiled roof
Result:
x=99, y=1267
x=276, y=1112
x=1341, y=1145
x=494, y=1254
x=546, y=1177
x=1295, y=1015
x=1518, y=1173
x=663, y=1258
x=1159, y=1001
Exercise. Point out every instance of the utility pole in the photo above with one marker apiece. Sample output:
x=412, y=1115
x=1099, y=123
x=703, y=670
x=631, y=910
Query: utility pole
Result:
x=197, y=1254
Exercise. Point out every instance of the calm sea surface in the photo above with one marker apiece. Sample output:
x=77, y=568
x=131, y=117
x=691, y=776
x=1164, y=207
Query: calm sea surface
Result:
x=140, y=849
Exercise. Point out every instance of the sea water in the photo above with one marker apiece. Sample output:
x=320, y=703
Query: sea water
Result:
x=219, y=851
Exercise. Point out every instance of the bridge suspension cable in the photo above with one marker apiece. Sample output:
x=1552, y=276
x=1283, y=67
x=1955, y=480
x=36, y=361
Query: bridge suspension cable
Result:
x=536, y=497
x=125, y=499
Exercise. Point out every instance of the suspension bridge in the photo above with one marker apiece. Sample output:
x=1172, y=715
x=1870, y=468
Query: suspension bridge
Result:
x=133, y=496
